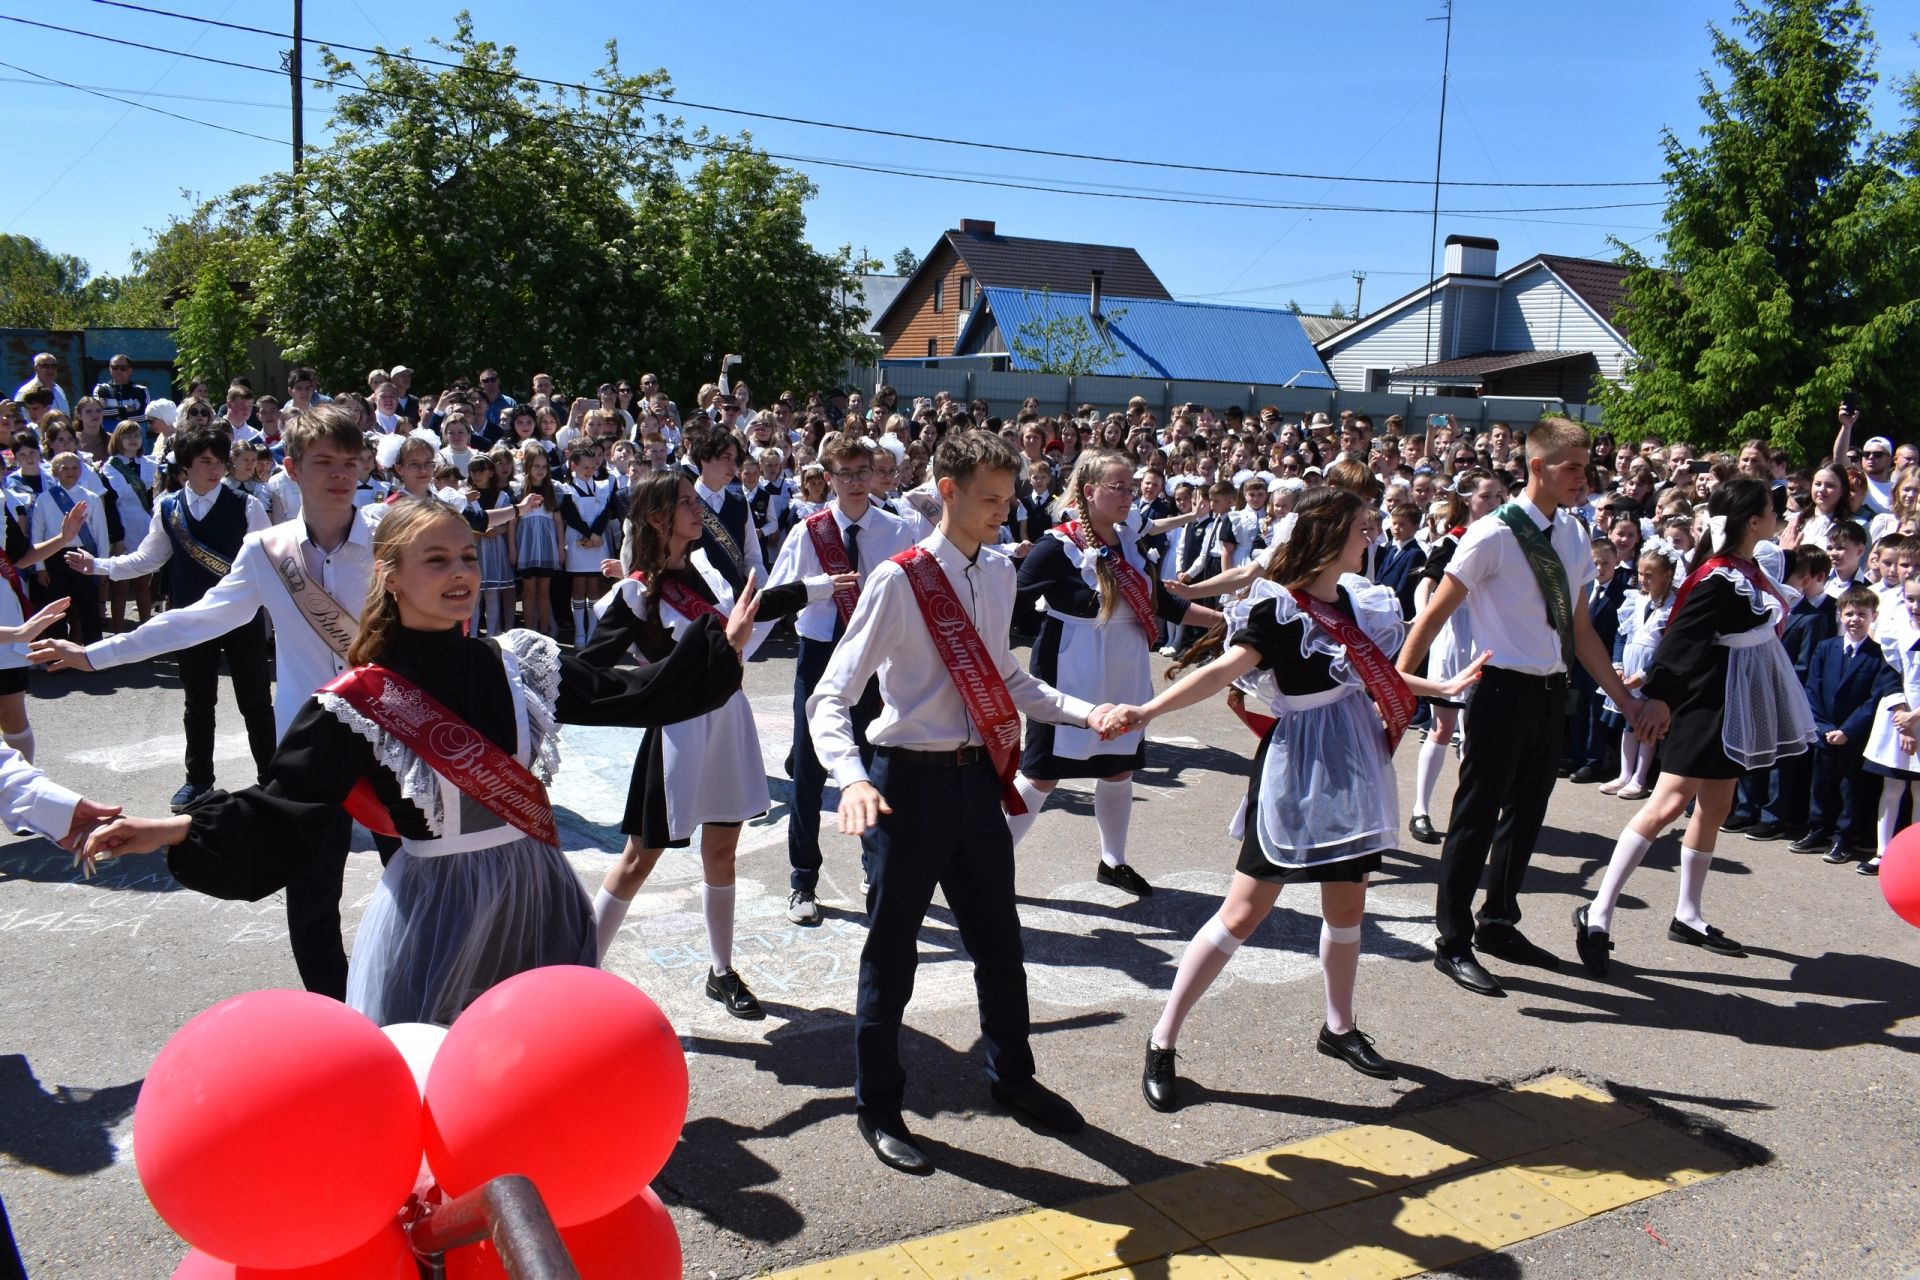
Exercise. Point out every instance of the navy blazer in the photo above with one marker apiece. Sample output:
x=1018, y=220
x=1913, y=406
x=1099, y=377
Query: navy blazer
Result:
x=1603, y=609
x=1807, y=626
x=1844, y=695
x=1399, y=568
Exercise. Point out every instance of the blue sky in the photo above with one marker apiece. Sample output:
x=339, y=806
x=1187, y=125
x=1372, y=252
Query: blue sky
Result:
x=1540, y=92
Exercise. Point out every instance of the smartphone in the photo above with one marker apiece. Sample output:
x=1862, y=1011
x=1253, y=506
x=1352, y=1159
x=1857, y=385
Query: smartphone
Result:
x=1850, y=402
x=1699, y=466
x=1436, y=419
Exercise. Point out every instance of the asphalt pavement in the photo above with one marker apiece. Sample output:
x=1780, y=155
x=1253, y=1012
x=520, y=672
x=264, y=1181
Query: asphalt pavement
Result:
x=1800, y=1056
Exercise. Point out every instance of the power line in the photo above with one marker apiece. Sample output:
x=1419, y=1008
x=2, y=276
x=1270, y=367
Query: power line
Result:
x=181, y=97
x=848, y=128
x=144, y=106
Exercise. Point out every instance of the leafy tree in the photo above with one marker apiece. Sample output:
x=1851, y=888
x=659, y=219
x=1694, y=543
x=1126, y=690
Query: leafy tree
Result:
x=212, y=329
x=1792, y=268
x=1064, y=342
x=40, y=289
x=906, y=262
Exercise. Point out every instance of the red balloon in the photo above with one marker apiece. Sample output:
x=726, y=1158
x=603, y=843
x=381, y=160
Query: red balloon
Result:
x=278, y=1129
x=566, y=1074
x=385, y=1257
x=637, y=1241
x=1900, y=874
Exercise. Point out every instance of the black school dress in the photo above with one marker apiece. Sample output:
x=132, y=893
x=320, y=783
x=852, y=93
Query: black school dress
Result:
x=1727, y=679
x=468, y=901
x=1081, y=653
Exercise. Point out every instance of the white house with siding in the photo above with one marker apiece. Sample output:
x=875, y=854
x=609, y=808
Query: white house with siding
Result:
x=1542, y=328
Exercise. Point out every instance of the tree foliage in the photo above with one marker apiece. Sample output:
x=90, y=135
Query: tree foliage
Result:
x=40, y=289
x=212, y=330
x=1063, y=342
x=906, y=262
x=1792, y=267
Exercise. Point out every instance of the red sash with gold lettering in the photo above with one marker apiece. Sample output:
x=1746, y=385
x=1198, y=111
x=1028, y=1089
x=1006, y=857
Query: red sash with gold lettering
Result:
x=981, y=686
x=1385, y=685
x=451, y=747
x=831, y=551
x=1748, y=570
x=1134, y=586
x=691, y=604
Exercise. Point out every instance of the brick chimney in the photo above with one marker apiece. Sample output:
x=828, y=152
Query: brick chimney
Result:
x=976, y=227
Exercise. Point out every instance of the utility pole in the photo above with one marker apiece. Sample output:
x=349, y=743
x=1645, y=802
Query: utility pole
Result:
x=293, y=69
x=1439, y=144
x=1359, y=283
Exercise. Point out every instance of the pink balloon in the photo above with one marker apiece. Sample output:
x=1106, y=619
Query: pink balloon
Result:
x=278, y=1129
x=1900, y=874
x=637, y=1241
x=385, y=1257
x=566, y=1074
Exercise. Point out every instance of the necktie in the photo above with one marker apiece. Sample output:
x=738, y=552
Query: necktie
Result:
x=853, y=546
x=1849, y=652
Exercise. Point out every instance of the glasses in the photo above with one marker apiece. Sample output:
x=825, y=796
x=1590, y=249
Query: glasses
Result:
x=488, y=382
x=1876, y=453
x=1114, y=488
x=864, y=473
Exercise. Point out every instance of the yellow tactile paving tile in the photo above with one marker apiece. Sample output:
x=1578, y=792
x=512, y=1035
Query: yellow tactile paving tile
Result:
x=891, y=1263
x=1484, y=1127
x=1580, y=1175
x=1306, y=1248
x=1402, y=1151
x=1650, y=1149
x=1110, y=1231
x=1320, y=1173
x=1566, y=1109
x=1219, y=1200
x=1500, y=1206
x=997, y=1250
x=1200, y=1264
x=1410, y=1230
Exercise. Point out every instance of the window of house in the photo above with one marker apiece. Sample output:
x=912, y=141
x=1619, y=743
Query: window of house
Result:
x=1377, y=379
x=939, y=294
x=933, y=344
x=966, y=293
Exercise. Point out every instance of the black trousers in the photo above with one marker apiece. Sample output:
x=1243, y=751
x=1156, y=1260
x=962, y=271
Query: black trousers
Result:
x=245, y=648
x=1845, y=801
x=1516, y=725
x=809, y=775
x=946, y=830
x=83, y=623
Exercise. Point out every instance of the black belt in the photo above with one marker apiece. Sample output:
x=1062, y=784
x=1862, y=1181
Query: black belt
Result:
x=1555, y=683
x=952, y=758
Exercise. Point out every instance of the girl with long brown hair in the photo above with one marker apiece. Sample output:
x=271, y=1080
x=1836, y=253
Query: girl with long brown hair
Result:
x=703, y=772
x=1312, y=642
x=469, y=899
x=1096, y=639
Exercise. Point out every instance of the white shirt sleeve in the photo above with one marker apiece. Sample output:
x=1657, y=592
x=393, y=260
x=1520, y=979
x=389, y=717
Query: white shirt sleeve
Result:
x=155, y=550
x=876, y=629
x=232, y=602
x=33, y=800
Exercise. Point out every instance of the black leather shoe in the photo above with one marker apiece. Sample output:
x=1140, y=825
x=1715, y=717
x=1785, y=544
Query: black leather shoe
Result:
x=1355, y=1048
x=1812, y=842
x=1584, y=774
x=1838, y=854
x=1510, y=945
x=1593, y=946
x=1421, y=829
x=1766, y=831
x=185, y=796
x=1871, y=867
x=895, y=1147
x=1564, y=771
x=1159, y=1083
x=1039, y=1104
x=1712, y=940
x=1124, y=877
x=1739, y=822
x=733, y=995
x=1466, y=971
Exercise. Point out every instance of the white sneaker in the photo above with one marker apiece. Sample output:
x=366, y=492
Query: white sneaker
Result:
x=803, y=908
x=866, y=890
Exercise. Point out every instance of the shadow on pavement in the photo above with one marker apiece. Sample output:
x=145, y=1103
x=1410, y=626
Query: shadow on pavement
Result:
x=63, y=1130
x=44, y=862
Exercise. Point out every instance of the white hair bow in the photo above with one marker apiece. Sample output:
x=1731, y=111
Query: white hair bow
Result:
x=1717, y=529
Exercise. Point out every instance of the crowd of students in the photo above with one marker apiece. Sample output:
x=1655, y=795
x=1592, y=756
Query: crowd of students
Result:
x=1722, y=637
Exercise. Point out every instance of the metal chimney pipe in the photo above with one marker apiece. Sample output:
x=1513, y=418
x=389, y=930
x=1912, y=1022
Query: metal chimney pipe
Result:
x=1093, y=303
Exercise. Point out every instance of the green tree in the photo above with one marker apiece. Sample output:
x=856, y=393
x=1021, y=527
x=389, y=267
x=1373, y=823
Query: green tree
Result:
x=1792, y=261
x=1064, y=342
x=40, y=289
x=906, y=262
x=212, y=329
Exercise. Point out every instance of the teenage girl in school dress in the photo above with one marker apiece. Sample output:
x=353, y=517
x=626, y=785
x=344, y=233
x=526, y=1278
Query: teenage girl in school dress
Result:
x=1310, y=645
x=705, y=772
x=470, y=899
x=537, y=558
x=1644, y=614
x=1095, y=642
x=1736, y=705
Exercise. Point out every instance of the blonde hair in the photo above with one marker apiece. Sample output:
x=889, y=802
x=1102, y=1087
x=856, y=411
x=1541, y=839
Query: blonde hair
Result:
x=406, y=519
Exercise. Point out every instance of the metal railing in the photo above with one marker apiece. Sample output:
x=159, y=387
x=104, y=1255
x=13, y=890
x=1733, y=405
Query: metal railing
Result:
x=509, y=1212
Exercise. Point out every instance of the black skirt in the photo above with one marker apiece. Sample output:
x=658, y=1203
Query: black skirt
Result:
x=1037, y=760
x=13, y=680
x=645, y=817
x=1254, y=862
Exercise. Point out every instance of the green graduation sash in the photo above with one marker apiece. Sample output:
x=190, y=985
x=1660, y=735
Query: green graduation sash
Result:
x=1547, y=571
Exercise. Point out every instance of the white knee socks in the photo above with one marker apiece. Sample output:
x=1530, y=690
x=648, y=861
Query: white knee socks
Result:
x=1205, y=957
x=1694, y=864
x=582, y=618
x=23, y=743
x=1112, y=806
x=1339, y=966
x=716, y=902
x=609, y=913
x=1628, y=854
x=1889, y=826
x=1034, y=798
x=1433, y=754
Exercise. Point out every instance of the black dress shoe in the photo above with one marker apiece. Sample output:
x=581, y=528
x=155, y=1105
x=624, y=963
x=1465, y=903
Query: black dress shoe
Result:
x=1584, y=774
x=1466, y=971
x=1355, y=1048
x=1712, y=940
x=1124, y=877
x=1838, y=854
x=895, y=1147
x=1564, y=771
x=1039, y=1104
x=1812, y=842
x=1766, y=831
x=185, y=796
x=1512, y=946
x=1158, y=1083
x=1739, y=822
x=1421, y=829
x=1593, y=946
x=733, y=995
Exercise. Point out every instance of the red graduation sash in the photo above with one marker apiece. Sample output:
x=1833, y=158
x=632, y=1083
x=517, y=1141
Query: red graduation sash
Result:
x=1748, y=570
x=1133, y=584
x=831, y=551
x=691, y=604
x=979, y=683
x=1385, y=685
x=450, y=746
